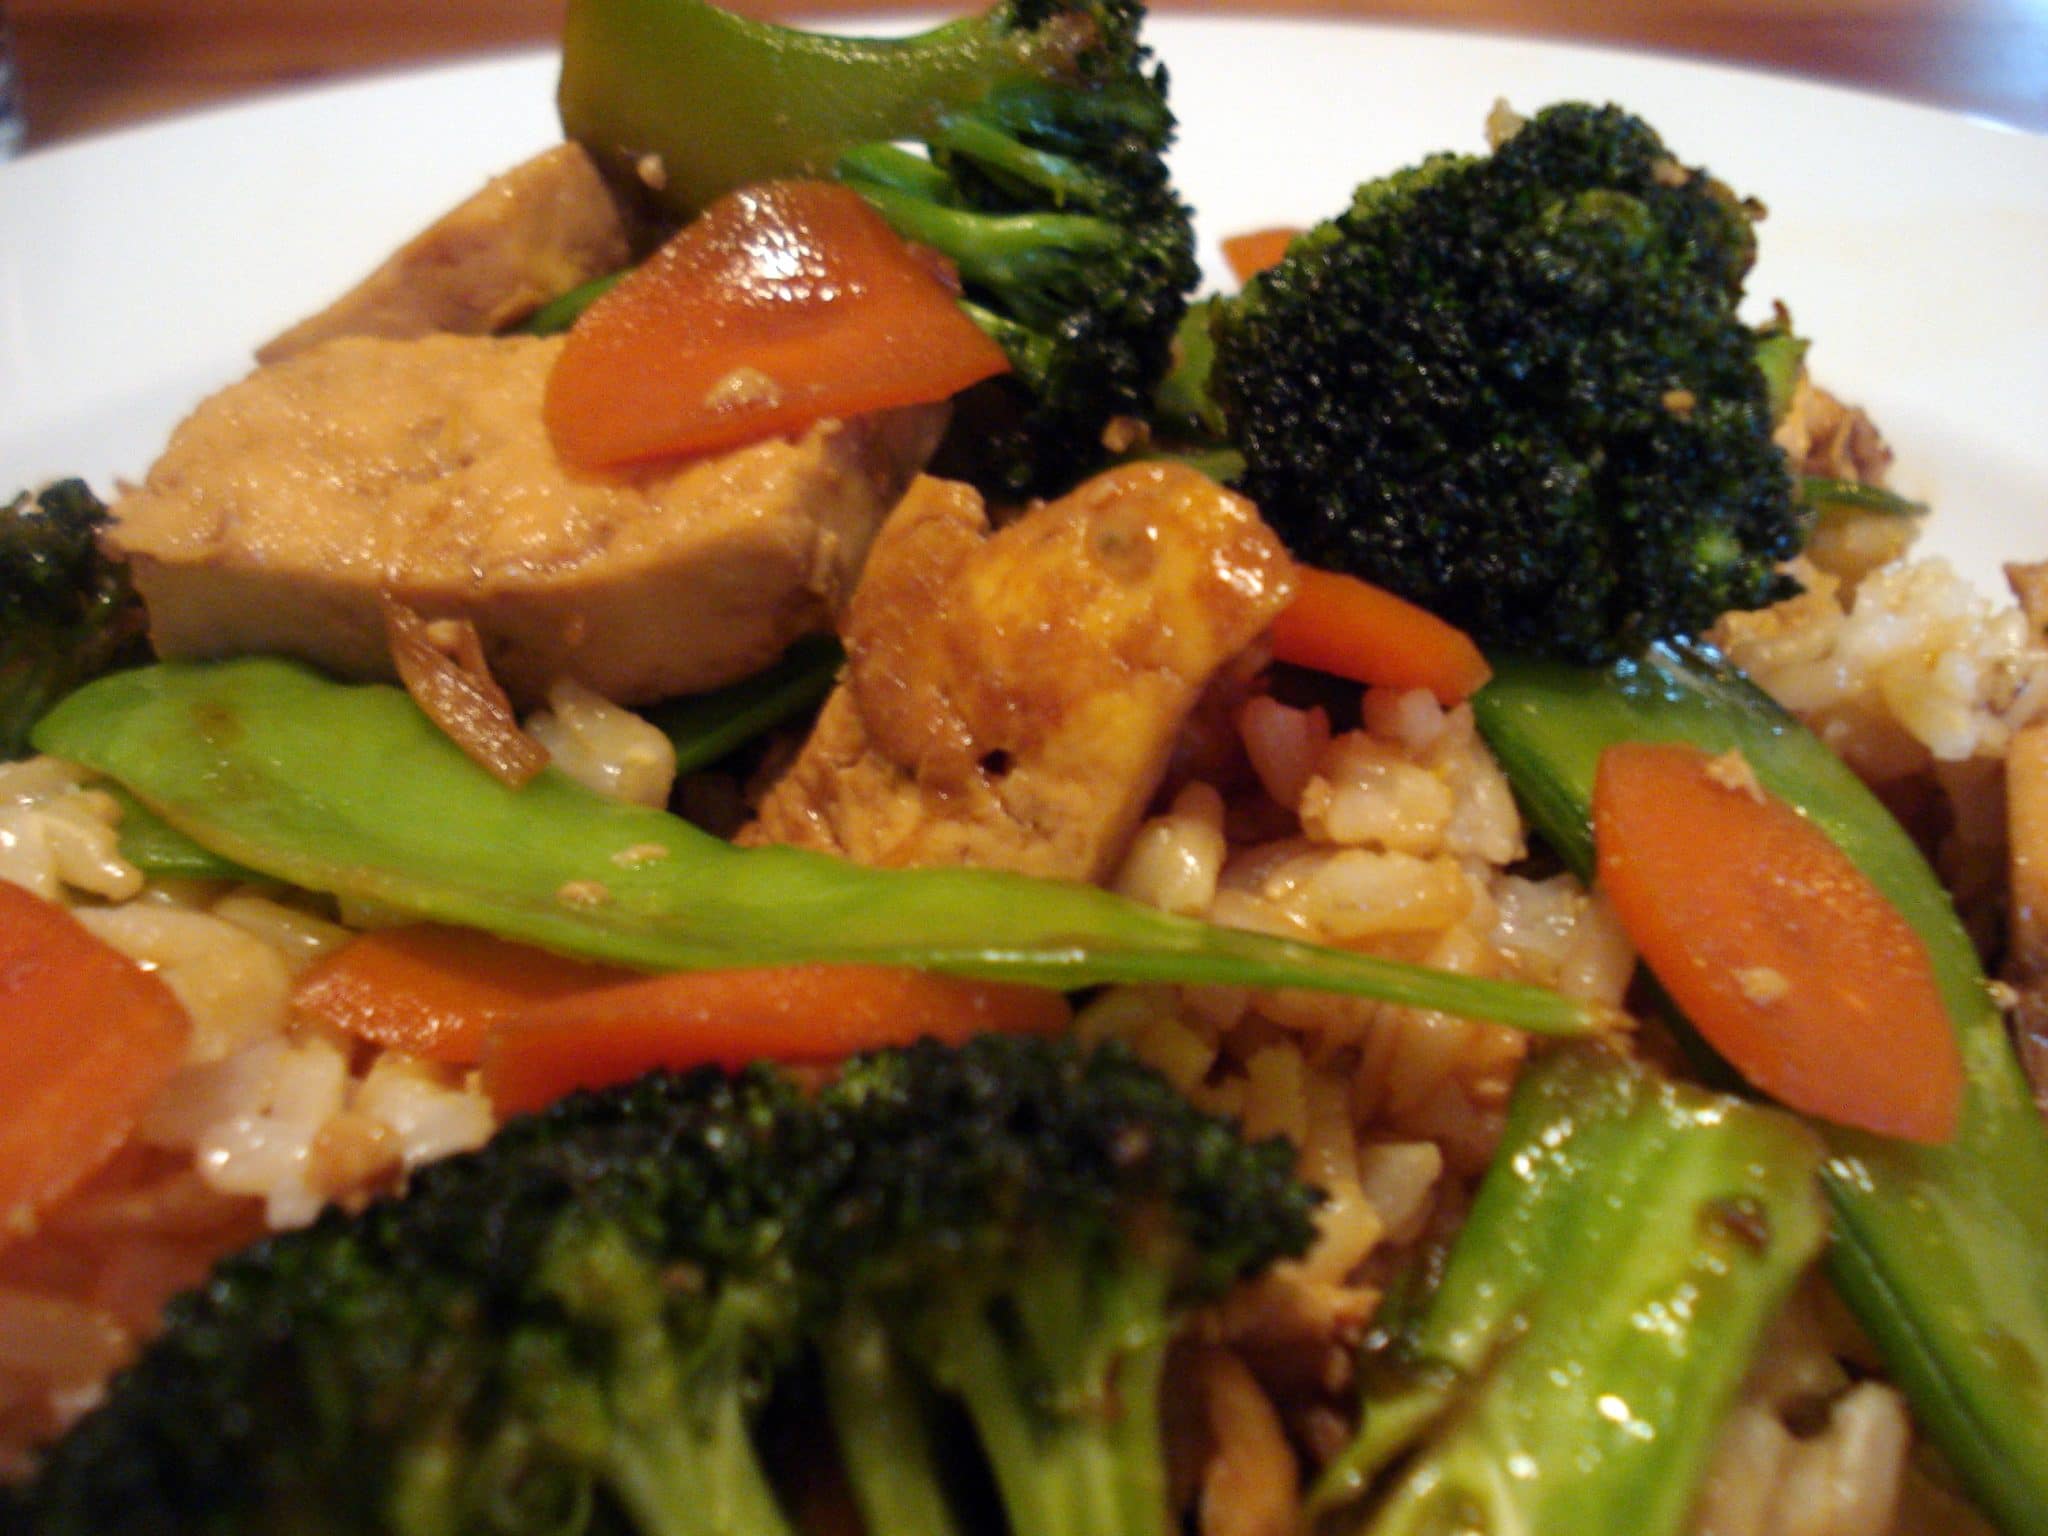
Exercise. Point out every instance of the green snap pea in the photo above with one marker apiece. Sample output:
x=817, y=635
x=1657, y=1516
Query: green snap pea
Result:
x=1596, y=1315
x=1941, y=1251
x=349, y=789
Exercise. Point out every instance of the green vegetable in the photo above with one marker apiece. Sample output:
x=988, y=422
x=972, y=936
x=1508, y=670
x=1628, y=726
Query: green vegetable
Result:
x=1030, y=1227
x=1941, y=1251
x=1515, y=389
x=1818, y=495
x=706, y=727
x=1781, y=355
x=578, y=1328
x=351, y=790
x=1600, y=1306
x=67, y=611
x=156, y=847
x=1025, y=144
x=563, y=311
x=507, y=1349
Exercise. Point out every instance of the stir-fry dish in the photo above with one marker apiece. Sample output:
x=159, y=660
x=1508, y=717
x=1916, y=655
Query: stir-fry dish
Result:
x=774, y=841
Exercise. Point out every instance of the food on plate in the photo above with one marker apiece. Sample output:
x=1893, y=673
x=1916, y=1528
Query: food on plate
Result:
x=779, y=305
x=268, y=763
x=288, y=505
x=1515, y=389
x=1426, y=1207
x=1904, y=1212
x=1614, y=1194
x=1044, y=183
x=585, y=1320
x=1011, y=700
x=67, y=610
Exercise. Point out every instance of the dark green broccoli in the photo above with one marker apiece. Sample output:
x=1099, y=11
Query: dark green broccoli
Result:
x=1020, y=1227
x=67, y=611
x=1515, y=389
x=579, y=1328
x=1027, y=144
x=569, y=1330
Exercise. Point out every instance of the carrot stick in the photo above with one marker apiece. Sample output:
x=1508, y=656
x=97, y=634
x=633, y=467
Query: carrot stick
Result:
x=1773, y=943
x=436, y=991
x=780, y=305
x=796, y=1013
x=1252, y=252
x=89, y=1039
x=1351, y=628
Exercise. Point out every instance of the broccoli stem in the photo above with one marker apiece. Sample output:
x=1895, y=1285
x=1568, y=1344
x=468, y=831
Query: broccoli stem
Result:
x=1011, y=254
x=1064, y=1392
x=1597, y=1314
x=1938, y=1250
x=996, y=153
x=670, y=1440
x=789, y=102
x=881, y=1420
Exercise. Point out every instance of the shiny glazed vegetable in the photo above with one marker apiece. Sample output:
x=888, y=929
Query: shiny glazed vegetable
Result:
x=350, y=790
x=1940, y=1250
x=1572, y=1368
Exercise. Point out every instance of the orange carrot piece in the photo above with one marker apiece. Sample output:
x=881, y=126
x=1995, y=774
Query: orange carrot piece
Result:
x=1774, y=944
x=89, y=1039
x=1252, y=252
x=780, y=305
x=795, y=1013
x=435, y=991
x=1351, y=628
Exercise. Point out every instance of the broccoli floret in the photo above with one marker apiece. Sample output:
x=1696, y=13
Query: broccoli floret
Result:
x=67, y=610
x=571, y=1329
x=1026, y=144
x=1515, y=389
x=580, y=1327
x=1019, y=1228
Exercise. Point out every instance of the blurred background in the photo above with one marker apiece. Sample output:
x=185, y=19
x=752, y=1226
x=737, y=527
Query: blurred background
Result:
x=88, y=65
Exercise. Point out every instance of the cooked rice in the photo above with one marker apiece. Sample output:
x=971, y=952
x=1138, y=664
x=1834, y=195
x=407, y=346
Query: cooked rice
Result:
x=603, y=747
x=1911, y=667
x=1395, y=838
x=267, y=1124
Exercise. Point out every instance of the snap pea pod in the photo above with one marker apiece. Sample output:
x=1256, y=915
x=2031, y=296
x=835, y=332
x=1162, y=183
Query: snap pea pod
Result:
x=350, y=789
x=1600, y=1307
x=702, y=728
x=1941, y=1251
x=156, y=847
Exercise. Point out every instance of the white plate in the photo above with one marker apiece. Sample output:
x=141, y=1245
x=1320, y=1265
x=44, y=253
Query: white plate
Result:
x=138, y=270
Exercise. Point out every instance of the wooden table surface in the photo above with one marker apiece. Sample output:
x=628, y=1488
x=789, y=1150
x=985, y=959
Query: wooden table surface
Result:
x=87, y=65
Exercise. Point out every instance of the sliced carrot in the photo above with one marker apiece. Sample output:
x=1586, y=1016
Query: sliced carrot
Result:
x=795, y=1013
x=436, y=991
x=1252, y=252
x=89, y=1038
x=1773, y=943
x=780, y=305
x=1351, y=628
